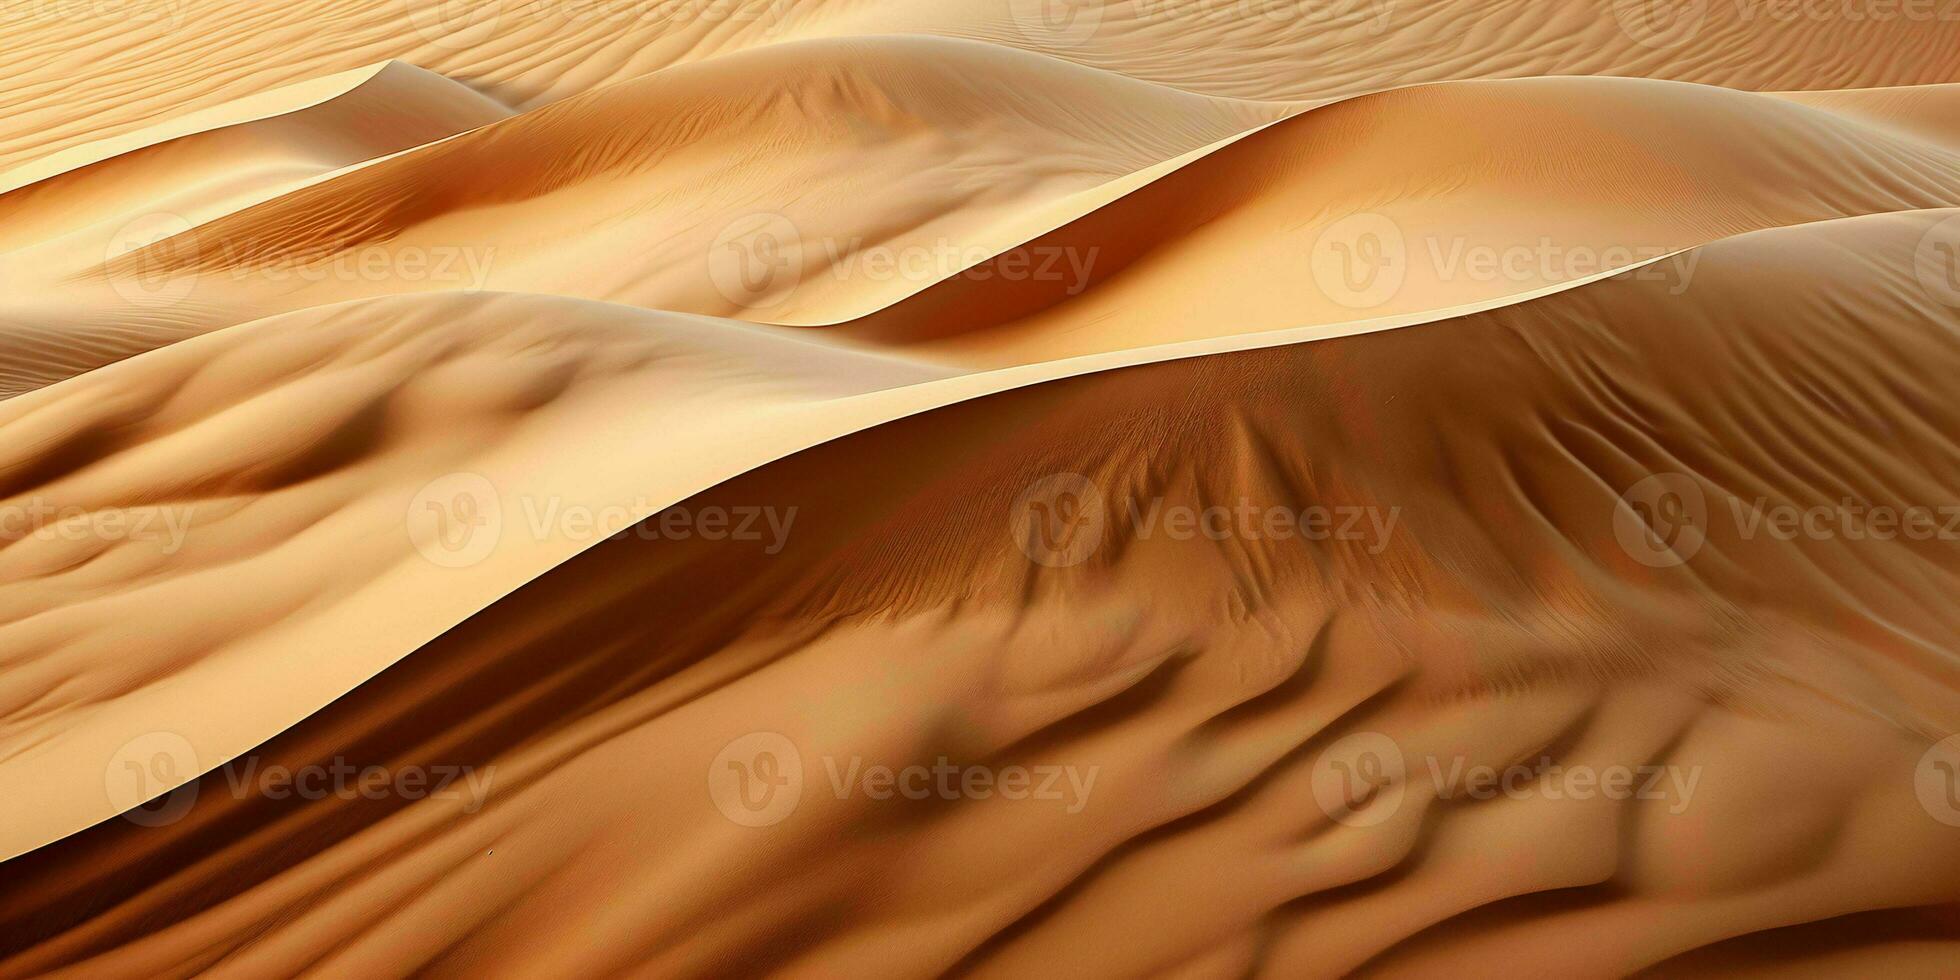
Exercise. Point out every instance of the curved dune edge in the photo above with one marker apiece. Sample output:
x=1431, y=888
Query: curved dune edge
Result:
x=1218, y=217
x=1090, y=138
x=1928, y=112
x=174, y=176
x=368, y=617
x=1354, y=137
x=1798, y=679
x=295, y=97
x=261, y=106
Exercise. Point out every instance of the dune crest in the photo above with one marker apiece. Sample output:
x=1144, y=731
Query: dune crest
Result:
x=1204, y=706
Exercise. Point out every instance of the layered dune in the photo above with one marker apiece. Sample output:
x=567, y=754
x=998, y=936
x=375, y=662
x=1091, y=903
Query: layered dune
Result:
x=910, y=488
x=1496, y=618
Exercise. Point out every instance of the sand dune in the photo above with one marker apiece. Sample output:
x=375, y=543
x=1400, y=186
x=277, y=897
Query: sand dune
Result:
x=225, y=158
x=979, y=487
x=883, y=144
x=995, y=245
x=1925, y=111
x=1497, y=620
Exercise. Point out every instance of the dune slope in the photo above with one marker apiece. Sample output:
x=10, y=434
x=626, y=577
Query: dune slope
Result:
x=1491, y=612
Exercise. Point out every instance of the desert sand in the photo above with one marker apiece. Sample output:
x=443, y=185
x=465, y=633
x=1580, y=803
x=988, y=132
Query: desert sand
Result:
x=993, y=487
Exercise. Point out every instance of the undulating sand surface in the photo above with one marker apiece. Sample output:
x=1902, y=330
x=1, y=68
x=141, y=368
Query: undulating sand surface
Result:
x=991, y=487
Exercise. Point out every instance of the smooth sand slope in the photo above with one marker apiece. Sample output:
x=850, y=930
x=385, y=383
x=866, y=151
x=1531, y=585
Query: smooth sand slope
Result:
x=225, y=158
x=890, y=191
x=1497, y=619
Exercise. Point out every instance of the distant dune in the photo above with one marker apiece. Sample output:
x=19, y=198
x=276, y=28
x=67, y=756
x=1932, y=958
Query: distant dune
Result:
x=979, y=487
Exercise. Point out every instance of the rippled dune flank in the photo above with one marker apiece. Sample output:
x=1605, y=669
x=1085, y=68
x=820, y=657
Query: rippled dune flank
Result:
x=988, y=487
